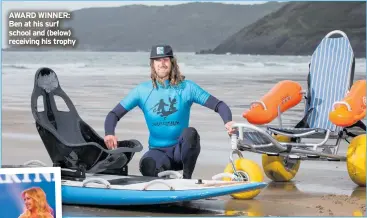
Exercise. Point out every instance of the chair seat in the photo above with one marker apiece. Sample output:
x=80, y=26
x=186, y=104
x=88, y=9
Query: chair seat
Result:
x=70, y=142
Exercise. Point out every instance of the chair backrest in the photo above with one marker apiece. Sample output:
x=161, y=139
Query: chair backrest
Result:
x=331, y=76
x=63, y=124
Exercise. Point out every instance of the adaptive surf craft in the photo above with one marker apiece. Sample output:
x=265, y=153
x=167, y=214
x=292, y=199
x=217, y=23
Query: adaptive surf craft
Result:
x=334, y=109
x=94, y=175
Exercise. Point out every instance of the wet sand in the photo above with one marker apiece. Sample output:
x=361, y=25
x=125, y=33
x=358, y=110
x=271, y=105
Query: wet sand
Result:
x=320, y=188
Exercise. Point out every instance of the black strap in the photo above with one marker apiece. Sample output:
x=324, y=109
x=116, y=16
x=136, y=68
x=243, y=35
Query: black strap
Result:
x=303, y=123
x=359, y=124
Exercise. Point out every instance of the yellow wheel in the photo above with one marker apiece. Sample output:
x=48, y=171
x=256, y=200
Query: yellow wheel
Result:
x=282, y=138
x=356, y=160
x=280, y=169
x=249, y=170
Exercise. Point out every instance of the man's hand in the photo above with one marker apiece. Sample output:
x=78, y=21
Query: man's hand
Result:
x=229, y=128
x=110, y=141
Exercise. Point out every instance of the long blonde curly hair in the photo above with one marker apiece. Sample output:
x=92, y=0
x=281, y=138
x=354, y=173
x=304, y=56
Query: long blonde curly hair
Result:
x=42, y=209
x=175, y=77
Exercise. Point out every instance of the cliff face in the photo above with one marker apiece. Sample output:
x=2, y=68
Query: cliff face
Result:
x=297, y=29
x=186, y=27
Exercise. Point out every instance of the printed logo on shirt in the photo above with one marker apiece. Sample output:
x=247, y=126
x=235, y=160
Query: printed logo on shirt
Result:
x=160, y=107
x=164, y=109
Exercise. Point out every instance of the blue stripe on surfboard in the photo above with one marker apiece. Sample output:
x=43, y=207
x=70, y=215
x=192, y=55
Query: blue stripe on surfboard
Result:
x=330, y=74
x=110, y=197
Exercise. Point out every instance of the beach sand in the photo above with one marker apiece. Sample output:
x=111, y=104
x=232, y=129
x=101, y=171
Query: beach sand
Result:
x=320, y=188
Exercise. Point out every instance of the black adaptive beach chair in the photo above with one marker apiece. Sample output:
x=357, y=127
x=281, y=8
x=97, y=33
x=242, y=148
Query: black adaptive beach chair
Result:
x=71, y=143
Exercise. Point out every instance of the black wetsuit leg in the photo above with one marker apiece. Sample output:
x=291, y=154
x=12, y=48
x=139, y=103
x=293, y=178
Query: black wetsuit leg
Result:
x=155, y=161
x=187, y=151
x=182, y=156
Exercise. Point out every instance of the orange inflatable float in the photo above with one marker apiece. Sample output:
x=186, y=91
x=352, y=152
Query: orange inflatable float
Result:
x=285, y=94
x=352, y=108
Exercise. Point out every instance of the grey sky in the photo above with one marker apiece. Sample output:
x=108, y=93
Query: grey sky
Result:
x=74, y=5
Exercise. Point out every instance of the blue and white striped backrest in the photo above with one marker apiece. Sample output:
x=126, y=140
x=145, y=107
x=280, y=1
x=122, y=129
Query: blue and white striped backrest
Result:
x=330, y=78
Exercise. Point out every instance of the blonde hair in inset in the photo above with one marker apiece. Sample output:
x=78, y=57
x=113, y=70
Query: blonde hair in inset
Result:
x=42, y=209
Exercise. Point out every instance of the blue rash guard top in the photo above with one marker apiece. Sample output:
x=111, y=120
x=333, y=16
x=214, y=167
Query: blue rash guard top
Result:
x=166, y=108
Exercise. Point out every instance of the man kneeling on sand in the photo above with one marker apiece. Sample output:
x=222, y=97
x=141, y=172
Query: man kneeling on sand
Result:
x=166, y=101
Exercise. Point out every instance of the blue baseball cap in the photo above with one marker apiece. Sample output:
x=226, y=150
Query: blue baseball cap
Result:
x=160, y=51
